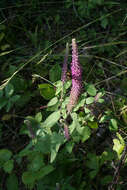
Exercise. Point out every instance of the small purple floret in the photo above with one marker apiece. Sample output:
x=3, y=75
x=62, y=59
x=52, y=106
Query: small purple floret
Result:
x=76, y=77
x=66, y=132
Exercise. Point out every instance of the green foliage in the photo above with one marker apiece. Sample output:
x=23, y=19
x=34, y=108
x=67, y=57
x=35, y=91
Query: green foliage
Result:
x=12, y=182
x=55, y=73
x=33, y=99
x=47, y=91
x=8, y=166
x=8, y=99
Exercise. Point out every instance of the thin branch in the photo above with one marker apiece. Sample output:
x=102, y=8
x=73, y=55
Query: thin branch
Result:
x=117, y=171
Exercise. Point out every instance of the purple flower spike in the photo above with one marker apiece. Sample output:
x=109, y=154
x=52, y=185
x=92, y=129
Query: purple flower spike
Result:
x=66, y=132
x=64, y=69
x=76, y=78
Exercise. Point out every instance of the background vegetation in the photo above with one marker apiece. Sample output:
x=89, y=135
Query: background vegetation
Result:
x=34, y=154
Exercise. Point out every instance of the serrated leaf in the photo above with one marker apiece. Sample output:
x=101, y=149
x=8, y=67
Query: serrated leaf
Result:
x=91, y=90
x=12, y=182
x=8, y=166
x=52, y=119
x=89, y=100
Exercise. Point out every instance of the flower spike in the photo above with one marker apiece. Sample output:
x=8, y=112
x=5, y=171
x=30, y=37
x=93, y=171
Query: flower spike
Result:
x=76, y=77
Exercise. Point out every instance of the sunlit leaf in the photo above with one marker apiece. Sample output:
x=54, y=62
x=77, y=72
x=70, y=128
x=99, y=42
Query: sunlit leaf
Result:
x=89, y=100
x=91, y=90
x=113, y=125
x=47, y=91
x=38, y=116
x=52, y=119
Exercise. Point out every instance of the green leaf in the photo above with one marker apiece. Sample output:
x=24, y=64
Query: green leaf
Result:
x=106, y=179
x=93, y=124
x=91, y=90
x=47, y=91
x=36, y=163
x=69, y=147
x=8, y=166
x=101, y=100
x=89, y=100
x=52, y=119
x=1, y=93
x=44, y=144
x=74, y=124
x=1, y=36
x=106, y=156
x=3, y=102
x=67, y=84
x=92, y=161
x=55, y=73
x=85, y=133
x=59, y=86
x=12, y=182
x=5, y=155
x=13, y=99
x=8, y=106
x=118, y=147
x=44, y=171
x=28, y=178
x=53, y=101
x=4, y=47
x=120, y=139
x=38, y=117
x=9, y=89
x=104, y=22
x=56, y=141
x=113, y=125
x=93, y=173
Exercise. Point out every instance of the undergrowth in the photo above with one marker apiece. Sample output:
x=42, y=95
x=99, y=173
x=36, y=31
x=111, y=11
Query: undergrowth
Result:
x=42, y=145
